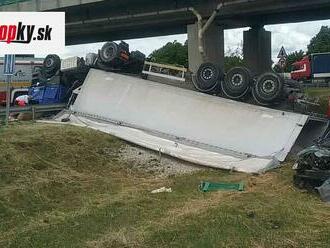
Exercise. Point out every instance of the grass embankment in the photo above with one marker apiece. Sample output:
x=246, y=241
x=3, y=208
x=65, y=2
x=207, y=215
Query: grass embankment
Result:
x=63, y=186
x=323, y=94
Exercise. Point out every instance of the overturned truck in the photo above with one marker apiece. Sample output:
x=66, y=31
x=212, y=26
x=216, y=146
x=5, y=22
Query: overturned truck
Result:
x=55, y=81
x=196, y=127
x=189, y=125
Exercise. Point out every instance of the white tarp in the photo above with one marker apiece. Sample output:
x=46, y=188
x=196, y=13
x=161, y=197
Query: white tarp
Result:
x=199, y=121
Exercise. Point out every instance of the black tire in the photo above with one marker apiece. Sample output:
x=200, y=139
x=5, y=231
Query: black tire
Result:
x=104, y=66
x=138, y=57
x=52, y=63
x=207, y=78
x=237, y=83
x=268, y=88
x=108, y=52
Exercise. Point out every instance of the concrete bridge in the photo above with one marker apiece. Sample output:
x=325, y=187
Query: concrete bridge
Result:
x=102, y=20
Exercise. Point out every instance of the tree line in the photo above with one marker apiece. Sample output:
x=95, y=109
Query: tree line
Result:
x=176, y=53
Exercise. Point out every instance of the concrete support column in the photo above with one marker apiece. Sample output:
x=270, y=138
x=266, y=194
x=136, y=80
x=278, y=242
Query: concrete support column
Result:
x=213, y=46
x=257, y=49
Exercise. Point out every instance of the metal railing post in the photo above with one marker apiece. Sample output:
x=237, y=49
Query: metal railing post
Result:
x=33, y=113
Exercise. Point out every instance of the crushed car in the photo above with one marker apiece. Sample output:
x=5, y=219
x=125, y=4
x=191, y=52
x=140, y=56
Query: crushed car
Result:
x=313, y=164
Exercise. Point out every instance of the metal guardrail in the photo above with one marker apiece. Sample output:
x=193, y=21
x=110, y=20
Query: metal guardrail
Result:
x=34, y=109
x=317, y=85
x=7, y=2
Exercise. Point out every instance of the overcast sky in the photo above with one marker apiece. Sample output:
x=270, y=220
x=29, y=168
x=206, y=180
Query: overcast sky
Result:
x=293, y=37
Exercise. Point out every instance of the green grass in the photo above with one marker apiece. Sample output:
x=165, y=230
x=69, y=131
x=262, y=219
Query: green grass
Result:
x=323, y=94
x=318, y=91
x=59, y=187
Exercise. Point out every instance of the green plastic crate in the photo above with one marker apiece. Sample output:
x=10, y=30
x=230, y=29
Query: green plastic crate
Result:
x=208, y=186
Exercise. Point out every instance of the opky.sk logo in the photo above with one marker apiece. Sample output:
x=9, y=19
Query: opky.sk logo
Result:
x=32, y=32
x=21, y=33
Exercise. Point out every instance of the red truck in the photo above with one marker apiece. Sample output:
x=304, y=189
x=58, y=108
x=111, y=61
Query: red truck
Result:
x=312, y=67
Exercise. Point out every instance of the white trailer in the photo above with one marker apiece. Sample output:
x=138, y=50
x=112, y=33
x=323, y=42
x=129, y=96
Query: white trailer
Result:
x=189, y=125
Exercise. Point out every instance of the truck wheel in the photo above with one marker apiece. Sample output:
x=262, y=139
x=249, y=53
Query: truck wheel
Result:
x=268, y=88
x=108, y=52
x=237, y=83
x=207, y=77
x=52, y=63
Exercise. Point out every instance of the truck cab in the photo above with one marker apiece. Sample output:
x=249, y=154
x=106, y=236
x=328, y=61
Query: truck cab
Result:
x=312, y=67
x=302, y=69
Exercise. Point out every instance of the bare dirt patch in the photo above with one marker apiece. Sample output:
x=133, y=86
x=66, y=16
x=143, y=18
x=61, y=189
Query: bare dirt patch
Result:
x=154, y=162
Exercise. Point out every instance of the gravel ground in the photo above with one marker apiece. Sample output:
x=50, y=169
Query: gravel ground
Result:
x=152, y=161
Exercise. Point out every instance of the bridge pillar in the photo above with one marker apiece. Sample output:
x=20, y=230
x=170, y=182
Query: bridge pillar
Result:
x=213, y=44
x=257, y=50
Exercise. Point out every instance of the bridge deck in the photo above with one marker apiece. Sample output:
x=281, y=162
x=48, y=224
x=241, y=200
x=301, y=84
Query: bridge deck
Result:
x=100, y=20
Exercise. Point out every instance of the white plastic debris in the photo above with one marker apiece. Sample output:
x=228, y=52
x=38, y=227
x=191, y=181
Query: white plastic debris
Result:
x=162, y=190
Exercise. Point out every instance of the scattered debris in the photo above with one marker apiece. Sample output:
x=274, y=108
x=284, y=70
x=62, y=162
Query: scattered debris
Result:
x=162, y=190
x=150, y=161
x=207, y=186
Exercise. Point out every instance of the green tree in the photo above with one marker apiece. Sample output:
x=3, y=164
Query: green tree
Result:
x=321, y=42
x=292, y=58
x=174, y=53
x=233, y=61
x=234, y=58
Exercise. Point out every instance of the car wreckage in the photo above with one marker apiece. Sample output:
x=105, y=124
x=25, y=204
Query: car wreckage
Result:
x=313, y=164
